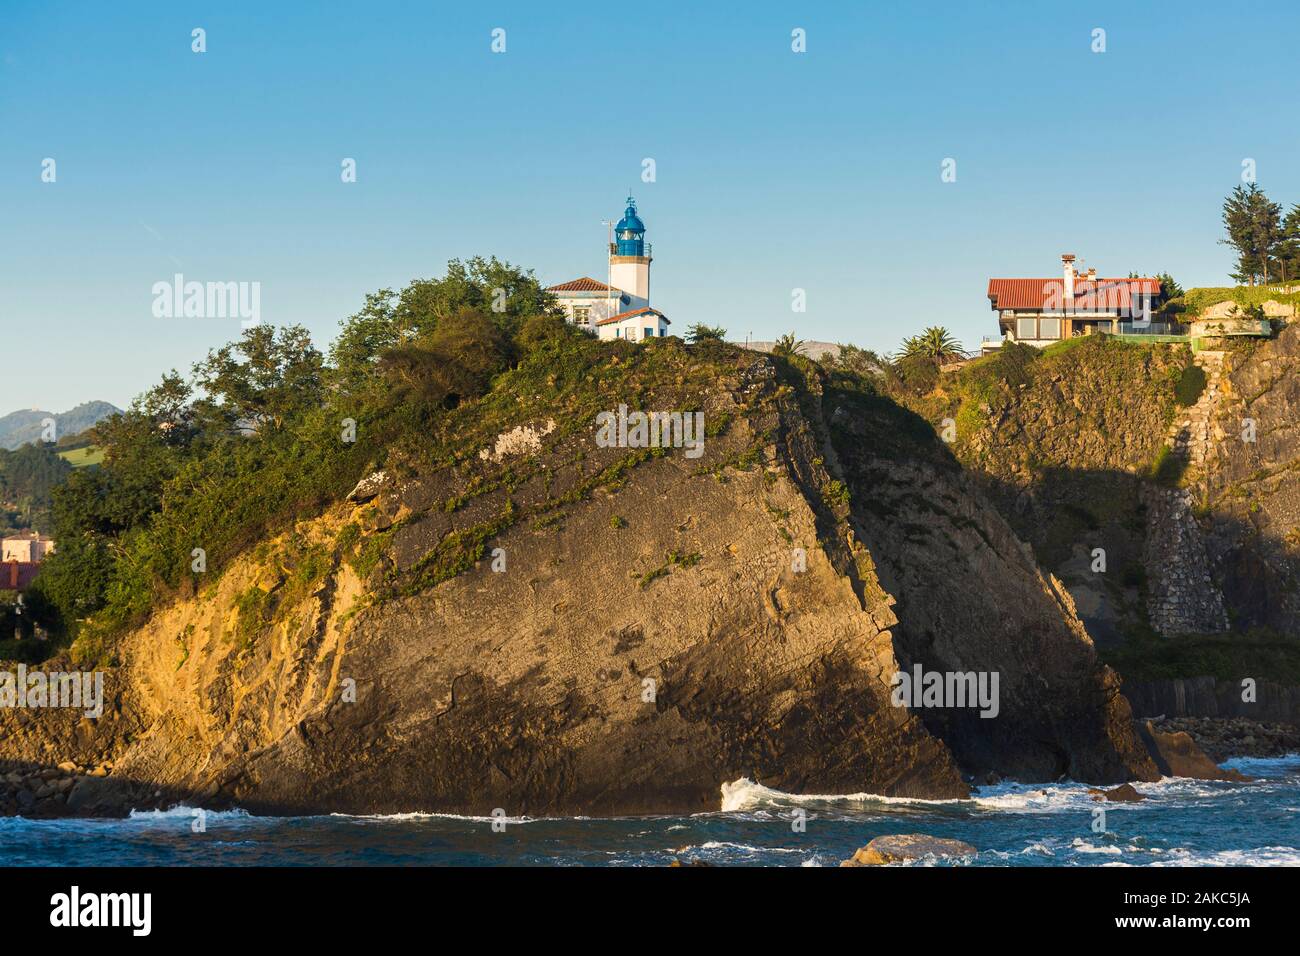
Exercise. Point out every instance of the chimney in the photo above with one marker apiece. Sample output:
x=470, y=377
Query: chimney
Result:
x=1092, y=275
x=1067, y=266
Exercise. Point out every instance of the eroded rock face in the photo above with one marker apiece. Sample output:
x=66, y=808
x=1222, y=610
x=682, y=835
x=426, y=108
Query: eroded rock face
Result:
x=567, y=642
x=1064, y=457
x=1252, y=487
x=971, y=599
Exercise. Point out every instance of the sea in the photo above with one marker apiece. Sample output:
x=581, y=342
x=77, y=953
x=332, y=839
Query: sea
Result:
x=1180, y=823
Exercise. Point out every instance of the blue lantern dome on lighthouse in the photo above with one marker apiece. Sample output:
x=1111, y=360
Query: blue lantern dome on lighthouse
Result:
x=630, y=232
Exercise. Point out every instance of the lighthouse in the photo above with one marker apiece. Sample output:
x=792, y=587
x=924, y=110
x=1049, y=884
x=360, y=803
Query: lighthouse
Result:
x=621, y=308
x=629, y=257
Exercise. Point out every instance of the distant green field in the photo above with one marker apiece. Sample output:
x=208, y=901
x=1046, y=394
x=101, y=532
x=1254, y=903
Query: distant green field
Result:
x=82, y=457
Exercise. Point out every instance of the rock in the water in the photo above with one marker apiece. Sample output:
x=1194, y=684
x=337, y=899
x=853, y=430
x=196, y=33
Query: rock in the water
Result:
x=1124, y=793
x=1177, y=755
x=903, y=847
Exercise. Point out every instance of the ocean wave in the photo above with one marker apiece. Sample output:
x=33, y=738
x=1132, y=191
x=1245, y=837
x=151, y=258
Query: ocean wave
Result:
x=181, y=811
x=408, y=815
x=744, y=795
x=1258, y=856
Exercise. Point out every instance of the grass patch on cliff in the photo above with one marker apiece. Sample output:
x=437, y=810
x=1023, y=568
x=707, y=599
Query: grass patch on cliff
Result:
x=1197, y=301
x=673, y=559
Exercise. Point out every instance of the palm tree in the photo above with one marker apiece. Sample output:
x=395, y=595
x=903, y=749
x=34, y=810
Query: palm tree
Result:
x=935, y=343
x=787, y=345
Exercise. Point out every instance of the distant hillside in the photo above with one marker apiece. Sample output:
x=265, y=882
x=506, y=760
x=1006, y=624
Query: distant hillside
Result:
x=27, y=479
x=24, y=426
x=813, y=350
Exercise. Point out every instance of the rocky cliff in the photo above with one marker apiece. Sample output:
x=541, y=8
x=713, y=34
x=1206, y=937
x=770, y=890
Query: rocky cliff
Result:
x=512, y=616
x=1250, y=486
x=1161, y=488
x=1064, y=443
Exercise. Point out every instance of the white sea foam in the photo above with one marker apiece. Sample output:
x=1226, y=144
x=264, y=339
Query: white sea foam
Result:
x=188, y=813
x=745, y=848
x=1083, y=846
x=1259, y=856
x=745, y=795
x=421, y=815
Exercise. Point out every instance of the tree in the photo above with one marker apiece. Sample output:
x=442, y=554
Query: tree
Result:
x=1254, y=227
x=388, y=319
x=1289, y=247
x=935, y=343
x=1169, y=286
x=454, y=362
x=27, y=476
x=788, y=346
x=261, y=381
x=364, y=337
x=699, y=332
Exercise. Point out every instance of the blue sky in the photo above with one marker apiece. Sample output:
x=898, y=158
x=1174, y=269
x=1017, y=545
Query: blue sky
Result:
x=775, y=170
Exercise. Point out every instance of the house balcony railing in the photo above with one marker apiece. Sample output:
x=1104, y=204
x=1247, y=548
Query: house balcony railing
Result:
x=1150, y=328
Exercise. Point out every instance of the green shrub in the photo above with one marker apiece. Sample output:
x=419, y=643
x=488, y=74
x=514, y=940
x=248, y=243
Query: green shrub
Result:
x=835, y=494
x=254, y=614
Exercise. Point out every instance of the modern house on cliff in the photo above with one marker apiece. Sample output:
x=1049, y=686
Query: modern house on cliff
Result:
x=1042, y=311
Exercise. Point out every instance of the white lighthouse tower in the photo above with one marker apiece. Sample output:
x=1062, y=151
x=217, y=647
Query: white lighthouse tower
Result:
x=621, y=309
x=629, y=257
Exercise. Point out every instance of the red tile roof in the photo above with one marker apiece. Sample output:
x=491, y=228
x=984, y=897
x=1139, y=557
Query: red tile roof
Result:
x=16, y=575
x=1099, y=295
x=644, y=310
x=581, y=285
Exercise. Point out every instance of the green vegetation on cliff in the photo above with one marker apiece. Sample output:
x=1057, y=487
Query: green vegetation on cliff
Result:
x=266, y=431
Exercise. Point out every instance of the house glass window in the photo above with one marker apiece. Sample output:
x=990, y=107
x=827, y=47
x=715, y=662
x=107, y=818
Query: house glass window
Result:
x=649, y=333
x=1025, y=329
x=582, y=315
x=1049, y=328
